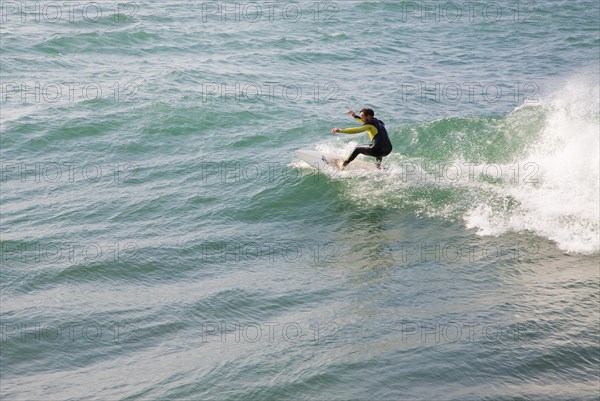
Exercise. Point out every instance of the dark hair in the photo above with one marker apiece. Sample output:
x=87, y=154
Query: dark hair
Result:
x=368, y=112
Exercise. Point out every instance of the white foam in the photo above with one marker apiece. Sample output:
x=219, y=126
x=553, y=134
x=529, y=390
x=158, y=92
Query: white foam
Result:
x=561, y=201
x=555, y=195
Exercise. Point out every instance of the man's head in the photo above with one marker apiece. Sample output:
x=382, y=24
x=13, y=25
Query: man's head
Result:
x=366, y=114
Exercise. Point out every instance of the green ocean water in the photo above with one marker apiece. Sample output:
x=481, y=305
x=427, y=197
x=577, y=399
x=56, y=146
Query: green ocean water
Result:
x=161, y=240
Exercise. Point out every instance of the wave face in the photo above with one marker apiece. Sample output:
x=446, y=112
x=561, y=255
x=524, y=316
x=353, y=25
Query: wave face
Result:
x=533, y=170
x=159, y=240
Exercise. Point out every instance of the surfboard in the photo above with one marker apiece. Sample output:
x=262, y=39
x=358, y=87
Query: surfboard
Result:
x=327, y=162
x=318, y=160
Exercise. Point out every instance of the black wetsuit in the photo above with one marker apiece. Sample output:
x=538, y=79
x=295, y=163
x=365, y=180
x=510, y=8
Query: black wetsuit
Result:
x=380, y=142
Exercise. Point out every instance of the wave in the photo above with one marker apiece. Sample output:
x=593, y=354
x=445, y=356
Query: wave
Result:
x=535, y=170
x=561, y=201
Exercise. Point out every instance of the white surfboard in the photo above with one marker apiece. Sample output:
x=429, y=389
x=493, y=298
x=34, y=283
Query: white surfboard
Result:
x=318, y=160
x=326, y=162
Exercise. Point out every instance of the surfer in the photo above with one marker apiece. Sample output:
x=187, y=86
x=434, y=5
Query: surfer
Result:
x=380, y=142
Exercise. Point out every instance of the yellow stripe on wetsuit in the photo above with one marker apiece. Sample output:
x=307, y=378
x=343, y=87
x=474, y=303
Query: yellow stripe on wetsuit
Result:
x=371, y=129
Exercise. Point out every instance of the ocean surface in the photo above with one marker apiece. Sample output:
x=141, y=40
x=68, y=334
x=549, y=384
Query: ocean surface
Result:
x=160, y=239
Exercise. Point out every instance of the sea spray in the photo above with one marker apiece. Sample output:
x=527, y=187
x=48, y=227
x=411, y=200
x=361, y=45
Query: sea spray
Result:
x=533, y=170
x=561, y=203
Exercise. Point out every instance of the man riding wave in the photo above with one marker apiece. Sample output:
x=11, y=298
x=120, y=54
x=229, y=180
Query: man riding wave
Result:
x=380, y=142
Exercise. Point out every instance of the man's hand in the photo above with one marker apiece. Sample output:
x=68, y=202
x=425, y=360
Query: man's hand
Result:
x=335, y=130
x=353, y=114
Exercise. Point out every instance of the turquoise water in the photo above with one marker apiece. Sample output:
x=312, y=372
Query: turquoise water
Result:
x=160, y=239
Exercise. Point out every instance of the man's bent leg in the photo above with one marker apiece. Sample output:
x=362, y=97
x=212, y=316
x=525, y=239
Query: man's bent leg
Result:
x=360, y=150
